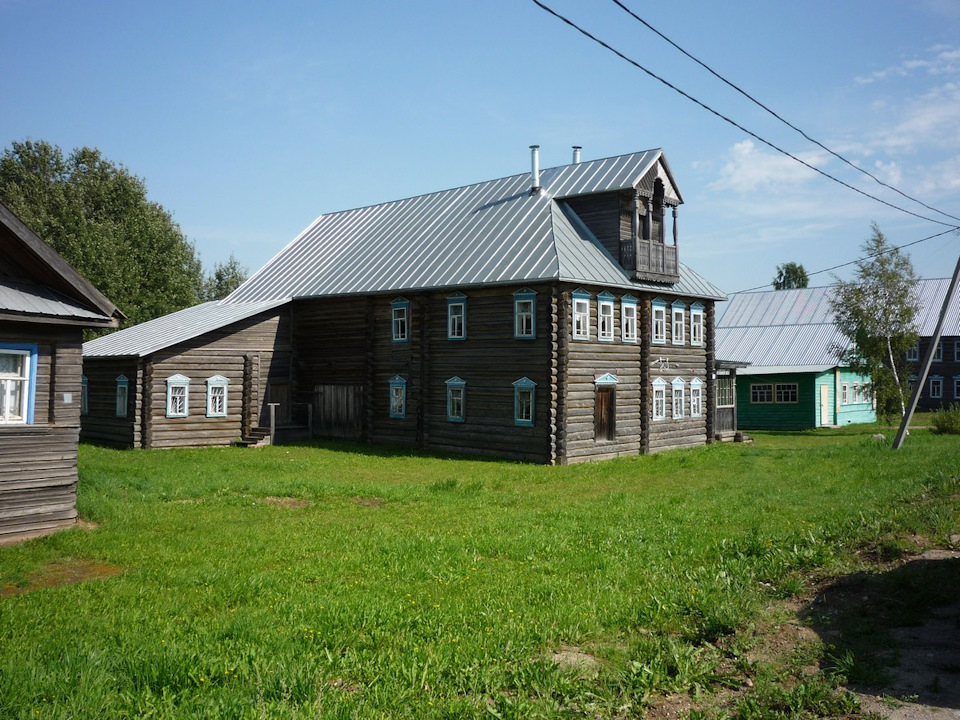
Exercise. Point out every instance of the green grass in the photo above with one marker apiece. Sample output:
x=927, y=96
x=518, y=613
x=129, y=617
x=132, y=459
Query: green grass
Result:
x=426, y=586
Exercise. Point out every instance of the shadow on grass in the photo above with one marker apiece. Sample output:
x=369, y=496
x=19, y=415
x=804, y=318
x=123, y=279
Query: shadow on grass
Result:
x=895, y=633
x=390, y=451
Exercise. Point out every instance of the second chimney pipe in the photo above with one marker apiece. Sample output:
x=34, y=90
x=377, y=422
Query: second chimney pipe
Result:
x=576, y=154
x=534, y=169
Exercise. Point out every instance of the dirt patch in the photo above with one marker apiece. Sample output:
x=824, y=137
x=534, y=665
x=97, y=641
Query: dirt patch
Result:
x=368, y=502
x=287, y=502
x=67, y=572
x=574, y=658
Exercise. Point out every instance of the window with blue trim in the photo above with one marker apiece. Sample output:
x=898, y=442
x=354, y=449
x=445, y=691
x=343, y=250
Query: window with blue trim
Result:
x=456, y=395
x=178, y=396
x=679, y=390
x=122, y=398
x=936, y=386
x=659, y=399
x=400, y=320
x=605, y=317
x=678, y=328
x=696, y=324
x=658, y=322
x=628, y=319
x=457, y=316
x=18, y=378
x=696, y=397
x=217, y=387
x=581, y=315
x=525, y=314
x=398, y=397
x=524, y=401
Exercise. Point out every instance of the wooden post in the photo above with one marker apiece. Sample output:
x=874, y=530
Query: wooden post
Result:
x=273, y=421
x=927, y=359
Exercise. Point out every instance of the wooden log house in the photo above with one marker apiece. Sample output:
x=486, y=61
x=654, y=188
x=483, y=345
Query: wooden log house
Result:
x=44, y=307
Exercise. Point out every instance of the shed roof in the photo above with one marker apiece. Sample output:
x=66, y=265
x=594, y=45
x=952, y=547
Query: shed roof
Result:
x=162, y=332
x=494, y=232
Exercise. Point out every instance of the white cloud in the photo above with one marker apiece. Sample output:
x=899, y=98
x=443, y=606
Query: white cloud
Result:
x=943, y=60
x=747, y=169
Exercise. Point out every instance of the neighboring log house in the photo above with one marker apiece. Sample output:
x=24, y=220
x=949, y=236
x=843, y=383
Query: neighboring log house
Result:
x=543, y=317
x=44, y=307
x=942, y=387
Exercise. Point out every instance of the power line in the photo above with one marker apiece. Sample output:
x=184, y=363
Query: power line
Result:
x=776, y=115
x=729, y=120
x=853, y=262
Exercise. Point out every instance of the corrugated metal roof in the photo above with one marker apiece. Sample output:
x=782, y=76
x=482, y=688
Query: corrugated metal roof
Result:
x=493, y=232
x=931, y=293
x=38, y=300
x=162, y=332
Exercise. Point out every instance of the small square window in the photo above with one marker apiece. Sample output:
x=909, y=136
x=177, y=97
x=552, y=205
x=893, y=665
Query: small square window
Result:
x=761, y=393
x=787, y=392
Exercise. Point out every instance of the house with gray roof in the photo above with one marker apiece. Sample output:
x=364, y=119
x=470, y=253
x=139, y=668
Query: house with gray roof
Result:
x=942, y=386
x=543, y=317
x=794, y=378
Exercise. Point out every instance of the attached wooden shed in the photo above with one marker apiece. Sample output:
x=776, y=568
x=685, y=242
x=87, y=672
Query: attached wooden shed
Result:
x=44, y=307
x=201, y=376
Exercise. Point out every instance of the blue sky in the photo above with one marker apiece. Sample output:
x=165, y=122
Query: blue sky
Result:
x=248, y=120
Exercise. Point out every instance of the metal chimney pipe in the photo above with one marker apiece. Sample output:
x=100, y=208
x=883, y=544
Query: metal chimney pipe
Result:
x=534, y=169
x=576, y=154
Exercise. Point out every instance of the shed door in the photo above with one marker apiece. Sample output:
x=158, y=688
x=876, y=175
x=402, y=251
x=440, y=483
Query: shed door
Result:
x=824, y=405
x=605, y=418
x=338, y=410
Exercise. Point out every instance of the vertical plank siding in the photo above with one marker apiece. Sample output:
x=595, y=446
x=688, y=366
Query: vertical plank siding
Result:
x=38, y=462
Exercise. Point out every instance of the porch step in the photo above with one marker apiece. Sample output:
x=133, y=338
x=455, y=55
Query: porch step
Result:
x=257, y=437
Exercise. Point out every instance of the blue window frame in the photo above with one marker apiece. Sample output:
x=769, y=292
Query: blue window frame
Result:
x=659, y=399
x=524, y=402
x=122, y=396
x=525, y=314
x=678, y=330
x=400, y=320
x=605, y=317
x=696, y=324
x=679, y=391
x=178, y=396
x=696, y=397
x=398, y=397
x=581, y=315
x=658, y=322
x=217, y=388
x=456, y=399
x=18, y=382
x=628, y=319
x=457, y=316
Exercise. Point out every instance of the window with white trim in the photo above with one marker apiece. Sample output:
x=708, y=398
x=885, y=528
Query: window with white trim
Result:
x=956, y=387
x=856, y=394
x=696, y=397
x=658, y=322
x=659, y=399
x=400, y=320
x=525, y=314
x=456, y=392
x=956, y=350
x=524, y=397
x=217, y=390
x=605, y=317
x=398, y=397
x=696, y=324
x=678, y=329
x=844, y=394
x=581, y=315
x=178, y=396
x=938, y=352
x=17, y=377
x=788, y=392
x=628, y=319
x=913, y=354
x=679, y=390
x=457, y=317
x=936, y=386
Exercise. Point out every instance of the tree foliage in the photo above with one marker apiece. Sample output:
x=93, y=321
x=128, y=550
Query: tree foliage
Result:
x=225, y=278
x=790, y=275
x=96, y=214
x=877, y=311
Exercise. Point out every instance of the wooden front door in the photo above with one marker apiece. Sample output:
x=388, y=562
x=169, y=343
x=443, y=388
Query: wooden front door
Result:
x=605, y=414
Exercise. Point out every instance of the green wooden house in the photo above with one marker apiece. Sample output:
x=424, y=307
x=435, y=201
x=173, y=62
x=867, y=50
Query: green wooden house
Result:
x=795, y=379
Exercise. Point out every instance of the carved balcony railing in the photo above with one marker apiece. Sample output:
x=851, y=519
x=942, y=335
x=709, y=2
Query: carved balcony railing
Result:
x=650, y=260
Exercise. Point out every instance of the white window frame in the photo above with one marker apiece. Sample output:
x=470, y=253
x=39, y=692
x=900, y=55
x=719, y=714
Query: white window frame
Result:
x=524, y=402
x=456, y=399
x=628, y=319
x=398, y=397
x=913, y=354
x=956, y=387
x=679, y=397
x=525, y=314
x=956, y=350
x=938, y=352
x=678, y=329
x=658, y=322
x=457, y=317
x=781, y=389
x=605, y=322
x=17, y=387
x=696, y=324
x=176, y=384
x=122, y=397
x=400, y=320
x=218, y=391
x=581, y=315
x=696, y=398
x=845, y=394
x=659, y=399
x=936, y=387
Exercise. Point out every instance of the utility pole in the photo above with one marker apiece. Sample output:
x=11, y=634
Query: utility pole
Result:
x=927, y=359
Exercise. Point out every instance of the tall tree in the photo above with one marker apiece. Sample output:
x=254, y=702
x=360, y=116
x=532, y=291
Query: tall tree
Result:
x=877, y=311
x=225, y=278
x=96, y=214
x=790, y=275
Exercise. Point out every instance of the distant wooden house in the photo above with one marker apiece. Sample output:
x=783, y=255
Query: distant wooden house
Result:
x=794, y=379
x=542, y=317
x=942, y=386
x=198, y=377
x=44, y=307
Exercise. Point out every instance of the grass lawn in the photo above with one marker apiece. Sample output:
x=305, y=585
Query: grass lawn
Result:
x=346, y=581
